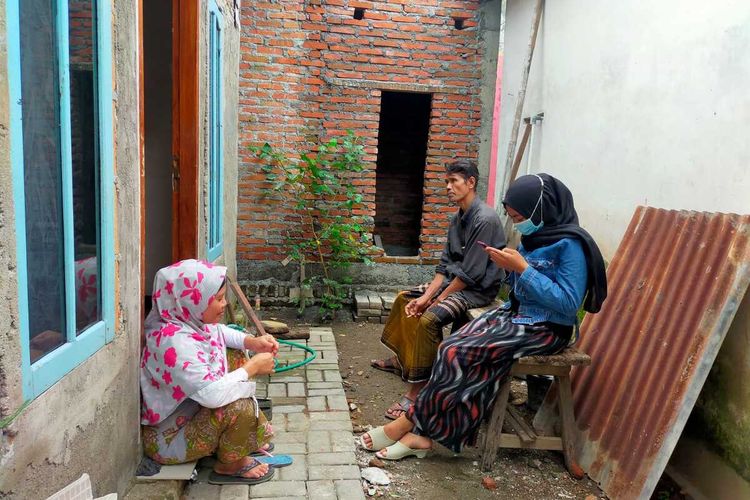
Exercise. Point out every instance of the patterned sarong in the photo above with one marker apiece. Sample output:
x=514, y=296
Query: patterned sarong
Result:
x=469, y=369
x=415, y=341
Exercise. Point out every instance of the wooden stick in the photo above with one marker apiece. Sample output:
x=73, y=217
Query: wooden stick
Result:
x=514, y=169
x=246, y=307
x=521, y=151
x=522, y=90
x=230, y=311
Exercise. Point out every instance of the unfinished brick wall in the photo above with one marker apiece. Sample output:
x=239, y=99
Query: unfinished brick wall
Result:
x=309, y=70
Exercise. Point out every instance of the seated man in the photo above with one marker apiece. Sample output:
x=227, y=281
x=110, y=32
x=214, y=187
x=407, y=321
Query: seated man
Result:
x=464, y=279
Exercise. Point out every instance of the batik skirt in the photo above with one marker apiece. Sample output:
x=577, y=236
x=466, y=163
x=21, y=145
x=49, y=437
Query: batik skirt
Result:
x=470, y=368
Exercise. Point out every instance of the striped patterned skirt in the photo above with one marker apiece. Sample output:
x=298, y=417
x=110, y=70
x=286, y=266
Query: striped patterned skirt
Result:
x=468, y=372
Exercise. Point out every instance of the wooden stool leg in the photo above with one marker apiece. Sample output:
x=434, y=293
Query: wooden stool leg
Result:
x=568, y=426
x=547, y=416
x=495, y=427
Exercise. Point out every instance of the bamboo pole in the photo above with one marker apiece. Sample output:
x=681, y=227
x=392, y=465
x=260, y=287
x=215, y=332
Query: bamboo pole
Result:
x=511, y=174
x=521, y=150
x=514, y=170
x=247, y=308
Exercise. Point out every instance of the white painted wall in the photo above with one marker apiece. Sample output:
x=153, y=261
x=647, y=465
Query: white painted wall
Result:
x=645, y=103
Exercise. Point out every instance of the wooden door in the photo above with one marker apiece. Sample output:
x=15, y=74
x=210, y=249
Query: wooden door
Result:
x=185, y=130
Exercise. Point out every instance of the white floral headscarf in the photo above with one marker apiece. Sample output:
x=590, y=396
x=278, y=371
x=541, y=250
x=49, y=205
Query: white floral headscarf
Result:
x=182, y=355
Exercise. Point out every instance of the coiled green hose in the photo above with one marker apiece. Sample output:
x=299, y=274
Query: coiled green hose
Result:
x=305, y=361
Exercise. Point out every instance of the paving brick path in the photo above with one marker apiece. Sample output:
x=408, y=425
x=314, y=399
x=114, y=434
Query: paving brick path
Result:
x=311, y=421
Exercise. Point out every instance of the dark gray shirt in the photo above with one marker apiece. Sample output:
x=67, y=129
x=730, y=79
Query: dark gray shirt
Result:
x=463, y=258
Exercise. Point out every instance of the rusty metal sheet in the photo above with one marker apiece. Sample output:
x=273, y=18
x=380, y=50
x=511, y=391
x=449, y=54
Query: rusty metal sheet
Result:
x=675, y=283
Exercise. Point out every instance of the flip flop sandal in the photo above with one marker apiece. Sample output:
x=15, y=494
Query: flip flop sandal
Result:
x=398, y=450
x=276, y=461
x=210, y=460
x=378, y=438
x=403, y=406
x=387, y=366
x=237, y=478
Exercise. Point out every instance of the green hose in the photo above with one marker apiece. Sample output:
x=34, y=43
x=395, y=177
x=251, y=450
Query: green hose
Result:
x=309, y=349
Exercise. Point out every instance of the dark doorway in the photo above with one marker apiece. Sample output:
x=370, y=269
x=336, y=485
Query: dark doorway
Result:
x=157, y=68
x=169, y=75
x=402, y=153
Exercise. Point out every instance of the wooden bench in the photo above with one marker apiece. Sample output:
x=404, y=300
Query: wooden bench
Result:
x=525, y=436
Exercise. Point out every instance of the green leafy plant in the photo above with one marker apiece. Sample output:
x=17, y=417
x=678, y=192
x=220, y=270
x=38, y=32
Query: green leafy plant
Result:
x=318, y=187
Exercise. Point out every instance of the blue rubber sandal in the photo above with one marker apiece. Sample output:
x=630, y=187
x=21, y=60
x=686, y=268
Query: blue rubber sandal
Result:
x=276, y=461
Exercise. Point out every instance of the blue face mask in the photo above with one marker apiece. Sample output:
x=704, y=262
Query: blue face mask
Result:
x=527, y=227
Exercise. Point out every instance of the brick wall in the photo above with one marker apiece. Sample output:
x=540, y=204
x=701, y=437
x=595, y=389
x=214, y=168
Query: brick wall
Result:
x=80, y=32
x=309, y=70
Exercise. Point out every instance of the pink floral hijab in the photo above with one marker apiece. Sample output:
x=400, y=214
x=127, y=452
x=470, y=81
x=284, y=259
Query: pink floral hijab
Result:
x=182, y=355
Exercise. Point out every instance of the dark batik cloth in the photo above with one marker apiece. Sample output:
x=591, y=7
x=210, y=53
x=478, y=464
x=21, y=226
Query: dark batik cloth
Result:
x=463, y=258
x=471, y=365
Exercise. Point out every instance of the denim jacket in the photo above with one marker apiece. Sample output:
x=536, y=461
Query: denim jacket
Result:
x=553, y=287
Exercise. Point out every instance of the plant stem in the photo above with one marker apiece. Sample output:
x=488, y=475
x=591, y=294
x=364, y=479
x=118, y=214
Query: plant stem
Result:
x=320, y=254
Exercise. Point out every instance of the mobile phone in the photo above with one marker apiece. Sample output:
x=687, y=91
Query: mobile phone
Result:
x=482, y=244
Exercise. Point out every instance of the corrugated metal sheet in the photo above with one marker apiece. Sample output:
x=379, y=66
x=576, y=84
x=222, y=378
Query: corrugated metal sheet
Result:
x=674, y=287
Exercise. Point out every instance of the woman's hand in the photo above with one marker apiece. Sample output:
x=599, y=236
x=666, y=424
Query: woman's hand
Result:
x=260, y=364
x=507, y=258
x=262, y=343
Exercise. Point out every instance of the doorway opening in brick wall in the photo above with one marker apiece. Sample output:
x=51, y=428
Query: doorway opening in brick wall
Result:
x=402, y=153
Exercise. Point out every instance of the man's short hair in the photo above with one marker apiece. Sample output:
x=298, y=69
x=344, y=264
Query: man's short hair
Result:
x=464, y=168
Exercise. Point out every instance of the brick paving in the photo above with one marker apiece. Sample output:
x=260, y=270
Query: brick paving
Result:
x=311, y=421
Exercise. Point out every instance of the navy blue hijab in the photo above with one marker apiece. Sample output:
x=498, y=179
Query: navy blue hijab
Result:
x=560, y=221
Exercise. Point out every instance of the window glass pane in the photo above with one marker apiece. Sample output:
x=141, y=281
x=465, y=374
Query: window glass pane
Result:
x=84, y=160
x=42, y=176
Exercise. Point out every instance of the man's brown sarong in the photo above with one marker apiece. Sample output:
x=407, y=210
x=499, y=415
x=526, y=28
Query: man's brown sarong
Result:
x=415, y=340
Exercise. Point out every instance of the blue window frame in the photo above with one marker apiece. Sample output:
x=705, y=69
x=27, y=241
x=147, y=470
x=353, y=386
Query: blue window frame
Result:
x=216, y=136
x=61, y=148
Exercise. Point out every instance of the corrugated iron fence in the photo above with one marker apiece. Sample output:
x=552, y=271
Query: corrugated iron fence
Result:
x=675, y=281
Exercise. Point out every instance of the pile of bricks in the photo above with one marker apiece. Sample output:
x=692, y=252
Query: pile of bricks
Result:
x=373, y=307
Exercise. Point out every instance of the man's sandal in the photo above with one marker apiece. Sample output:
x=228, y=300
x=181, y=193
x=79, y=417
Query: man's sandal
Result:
x=398, y=450
x=386, y=365
x=403, y=406
x=378, y=438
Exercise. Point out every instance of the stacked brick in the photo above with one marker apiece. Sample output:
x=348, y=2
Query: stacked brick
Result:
x=310, y=71
x=373, y=307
